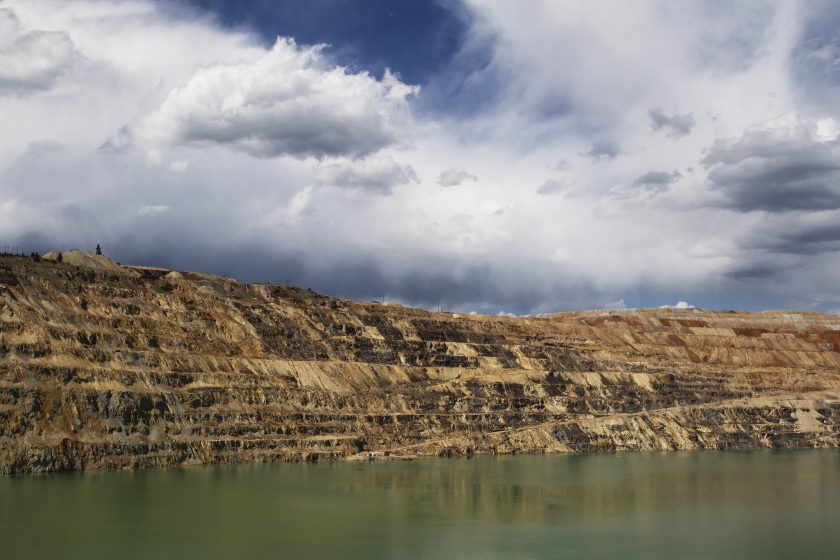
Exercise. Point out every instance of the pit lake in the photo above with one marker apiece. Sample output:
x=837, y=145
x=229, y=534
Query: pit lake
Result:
x=757, y=504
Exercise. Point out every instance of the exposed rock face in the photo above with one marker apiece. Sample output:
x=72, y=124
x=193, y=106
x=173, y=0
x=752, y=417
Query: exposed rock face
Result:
x=118, y=368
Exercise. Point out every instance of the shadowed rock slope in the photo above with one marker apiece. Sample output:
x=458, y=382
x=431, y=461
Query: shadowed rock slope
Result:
x=109, y=368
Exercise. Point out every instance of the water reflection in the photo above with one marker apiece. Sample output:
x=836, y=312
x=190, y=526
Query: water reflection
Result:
x=761, y=504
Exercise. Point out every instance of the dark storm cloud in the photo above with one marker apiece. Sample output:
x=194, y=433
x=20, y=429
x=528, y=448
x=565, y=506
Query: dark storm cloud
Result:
x=755, y=271
x=796, y=238
x=605, y=148
x=674, y=125
x=436, y=280
x=776, y=170
x=196, y=233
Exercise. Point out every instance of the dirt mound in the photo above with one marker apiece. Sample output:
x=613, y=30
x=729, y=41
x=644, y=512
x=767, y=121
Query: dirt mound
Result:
x=87, y=260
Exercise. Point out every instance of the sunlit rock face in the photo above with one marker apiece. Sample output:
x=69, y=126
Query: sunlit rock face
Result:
x=107, y=367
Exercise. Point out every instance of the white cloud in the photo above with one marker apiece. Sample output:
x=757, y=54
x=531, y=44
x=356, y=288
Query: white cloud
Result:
x=300, y=203
x=287, y=101
x=678, y=305
x=31, y=60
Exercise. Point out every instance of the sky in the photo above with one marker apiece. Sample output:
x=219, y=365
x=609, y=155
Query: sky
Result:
x=471, y=155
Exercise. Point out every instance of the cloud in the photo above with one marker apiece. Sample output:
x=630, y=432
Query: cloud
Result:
x=657, y=179
x=796, y=235
x=679, y=305
x=153, y=210
x=646, y=186
x=783, y=165
x=554, y=186
x=561, y=165
x=300, y=203
x=453, y=177
x=283, y=146
x=828, y=53
x=605, y=148
x=762, y=270
x=674, y=125
x=288, y=101
x=376, y=174
x=816, y=57
x=179, y=165
x=33, y=60
x=118, y=143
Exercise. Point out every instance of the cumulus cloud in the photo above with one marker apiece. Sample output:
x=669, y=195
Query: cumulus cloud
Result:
x=678, y=305
x=674, y=125
x=783, y=165
x=376, y=174
x=605, y=148
x=453, y=177
x=31, y=60
x=288, y=101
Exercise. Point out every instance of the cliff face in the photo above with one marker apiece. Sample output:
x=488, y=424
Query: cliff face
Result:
x=107, y=368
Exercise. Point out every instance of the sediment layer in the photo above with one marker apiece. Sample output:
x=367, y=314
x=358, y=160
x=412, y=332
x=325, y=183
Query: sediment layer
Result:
x=140, y=367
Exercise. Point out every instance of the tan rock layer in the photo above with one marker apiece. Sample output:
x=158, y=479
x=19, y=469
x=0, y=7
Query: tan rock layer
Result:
x=107, y=368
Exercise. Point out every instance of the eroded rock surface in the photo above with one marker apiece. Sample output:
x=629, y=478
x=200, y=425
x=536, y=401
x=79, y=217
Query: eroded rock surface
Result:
x=139, y=367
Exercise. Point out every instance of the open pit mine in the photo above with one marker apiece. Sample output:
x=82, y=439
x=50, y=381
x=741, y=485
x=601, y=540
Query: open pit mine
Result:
x=109, y=366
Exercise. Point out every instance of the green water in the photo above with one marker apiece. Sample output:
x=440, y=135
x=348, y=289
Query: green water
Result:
x=761, y=504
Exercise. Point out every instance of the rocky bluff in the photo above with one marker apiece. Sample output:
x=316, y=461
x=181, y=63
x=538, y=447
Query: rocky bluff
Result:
x=103, y=366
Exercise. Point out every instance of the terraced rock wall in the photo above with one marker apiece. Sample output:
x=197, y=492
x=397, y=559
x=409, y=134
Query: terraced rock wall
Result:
x=141, y=367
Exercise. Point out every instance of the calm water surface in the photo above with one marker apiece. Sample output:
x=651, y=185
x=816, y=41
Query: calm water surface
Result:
x=765, y=504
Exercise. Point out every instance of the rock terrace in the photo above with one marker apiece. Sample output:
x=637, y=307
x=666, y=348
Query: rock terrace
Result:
x=113, y=367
